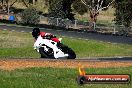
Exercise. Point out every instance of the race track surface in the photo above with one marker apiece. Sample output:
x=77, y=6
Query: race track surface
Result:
x=75, y=34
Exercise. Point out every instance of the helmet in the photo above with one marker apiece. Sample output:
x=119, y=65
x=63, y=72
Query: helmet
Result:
x=35, y=32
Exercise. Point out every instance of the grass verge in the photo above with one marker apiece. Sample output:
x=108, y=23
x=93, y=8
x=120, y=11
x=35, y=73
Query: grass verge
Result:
x=19, y=45
x=56, y=78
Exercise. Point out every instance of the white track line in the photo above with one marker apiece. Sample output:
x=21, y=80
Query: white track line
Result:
x=71, y=37
x=70, y=31
x=4, y=29
x=49, y=29
x=12, y=30
x=22, y=31
x=80, y=32
x=79, y=38
x=86, y=39
x=58, y=30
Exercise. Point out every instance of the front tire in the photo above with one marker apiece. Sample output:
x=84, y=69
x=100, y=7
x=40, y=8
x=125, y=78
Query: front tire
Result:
x=45, y=54
x=81, y=80
x=71, y=54
x=67, y=50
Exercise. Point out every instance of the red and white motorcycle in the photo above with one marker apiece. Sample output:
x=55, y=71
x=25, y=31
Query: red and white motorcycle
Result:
x=53, y=48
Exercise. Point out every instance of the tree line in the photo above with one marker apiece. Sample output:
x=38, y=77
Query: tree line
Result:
x=64, y=8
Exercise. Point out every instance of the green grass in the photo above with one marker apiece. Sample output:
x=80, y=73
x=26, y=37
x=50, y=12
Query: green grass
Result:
x=93, y=48
x=20, y=45
x=16, y=45
x=56, y=78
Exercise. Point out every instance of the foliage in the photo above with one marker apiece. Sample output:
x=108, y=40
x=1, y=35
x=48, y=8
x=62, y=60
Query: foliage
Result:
x=94, y=3
x=11, y=2
x=79, y=7
x=123, y=12
x=60, y=9
x=30, y=16
x=67, y=9
x=56, y=9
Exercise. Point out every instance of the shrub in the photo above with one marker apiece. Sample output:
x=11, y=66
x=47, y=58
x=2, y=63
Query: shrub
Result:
x=123, y=12
x=30, y=16
x=61, y=9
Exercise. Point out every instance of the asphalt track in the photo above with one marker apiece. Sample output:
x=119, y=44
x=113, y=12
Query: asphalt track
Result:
x=109, y=59
x=75, y=34
x=105, y=59
x=80, y=35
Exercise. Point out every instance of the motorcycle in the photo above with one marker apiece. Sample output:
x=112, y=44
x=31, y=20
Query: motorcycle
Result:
x=49, y=48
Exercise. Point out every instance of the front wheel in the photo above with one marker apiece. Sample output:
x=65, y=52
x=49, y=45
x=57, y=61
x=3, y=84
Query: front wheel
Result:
x=46, y=54
x=67, y=50
x=71, y=54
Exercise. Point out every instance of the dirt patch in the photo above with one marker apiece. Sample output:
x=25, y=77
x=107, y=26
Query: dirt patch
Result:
x=11, y=64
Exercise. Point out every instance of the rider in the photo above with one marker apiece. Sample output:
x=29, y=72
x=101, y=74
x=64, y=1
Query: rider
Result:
x=36, y=32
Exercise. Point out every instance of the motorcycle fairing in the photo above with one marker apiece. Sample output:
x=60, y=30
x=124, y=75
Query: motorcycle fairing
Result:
x=57, y=52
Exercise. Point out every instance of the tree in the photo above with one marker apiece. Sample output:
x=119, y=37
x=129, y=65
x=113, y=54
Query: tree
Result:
x=79, y=7
x=28, y=2
x=9, y=3
x=67, y=9
x=60, y=9
x=94, y=7
x=123, y=12
x=56, y=9
x=30, y=16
